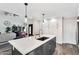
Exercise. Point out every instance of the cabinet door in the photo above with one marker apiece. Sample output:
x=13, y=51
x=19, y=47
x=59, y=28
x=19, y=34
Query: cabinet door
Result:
x=38, y=51
x=52, y=45
x=49, y=47
x=45, y=48
x=69, y=31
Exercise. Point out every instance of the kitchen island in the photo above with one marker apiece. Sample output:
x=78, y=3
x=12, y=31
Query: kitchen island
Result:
x=32, y=46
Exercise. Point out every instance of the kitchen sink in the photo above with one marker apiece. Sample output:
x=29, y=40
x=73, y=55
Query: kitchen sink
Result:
x=42, y=38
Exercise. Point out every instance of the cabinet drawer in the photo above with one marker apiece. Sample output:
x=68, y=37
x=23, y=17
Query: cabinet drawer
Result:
x=49, y=47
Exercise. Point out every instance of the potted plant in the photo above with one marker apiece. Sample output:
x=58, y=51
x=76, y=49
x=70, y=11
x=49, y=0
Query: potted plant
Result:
x=14, y=28
x=8, y=29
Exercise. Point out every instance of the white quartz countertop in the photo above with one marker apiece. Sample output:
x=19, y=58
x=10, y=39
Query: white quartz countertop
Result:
x=27, y=44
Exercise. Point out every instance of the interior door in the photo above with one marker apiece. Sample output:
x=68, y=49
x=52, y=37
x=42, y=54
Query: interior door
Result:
x=69, y=31
x=30, y=29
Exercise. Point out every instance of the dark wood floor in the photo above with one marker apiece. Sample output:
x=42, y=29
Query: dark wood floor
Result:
x=66, y=49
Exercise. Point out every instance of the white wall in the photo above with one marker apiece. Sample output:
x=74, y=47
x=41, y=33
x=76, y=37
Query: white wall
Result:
x=36, y=27
x=48, y=27
x=59, y=36
x=15, y=8
x=53, y=26
x=13, y=20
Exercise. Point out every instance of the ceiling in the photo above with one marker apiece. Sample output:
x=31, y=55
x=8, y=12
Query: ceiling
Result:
x=16, y=8
x=52, y=9
x=35, y=10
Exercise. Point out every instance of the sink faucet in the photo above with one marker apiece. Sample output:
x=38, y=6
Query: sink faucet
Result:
x=39, y=35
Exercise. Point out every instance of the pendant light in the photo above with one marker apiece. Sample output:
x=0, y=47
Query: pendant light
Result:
x=43, y=17
x=26, y=4
x=25, y=22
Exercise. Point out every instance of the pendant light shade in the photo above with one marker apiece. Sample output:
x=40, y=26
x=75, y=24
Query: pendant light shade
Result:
x=25, y=11
x=25, y=3
x=43, y=17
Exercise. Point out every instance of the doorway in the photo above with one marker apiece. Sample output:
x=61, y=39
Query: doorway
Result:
x=30, y=29
x=78, y=31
